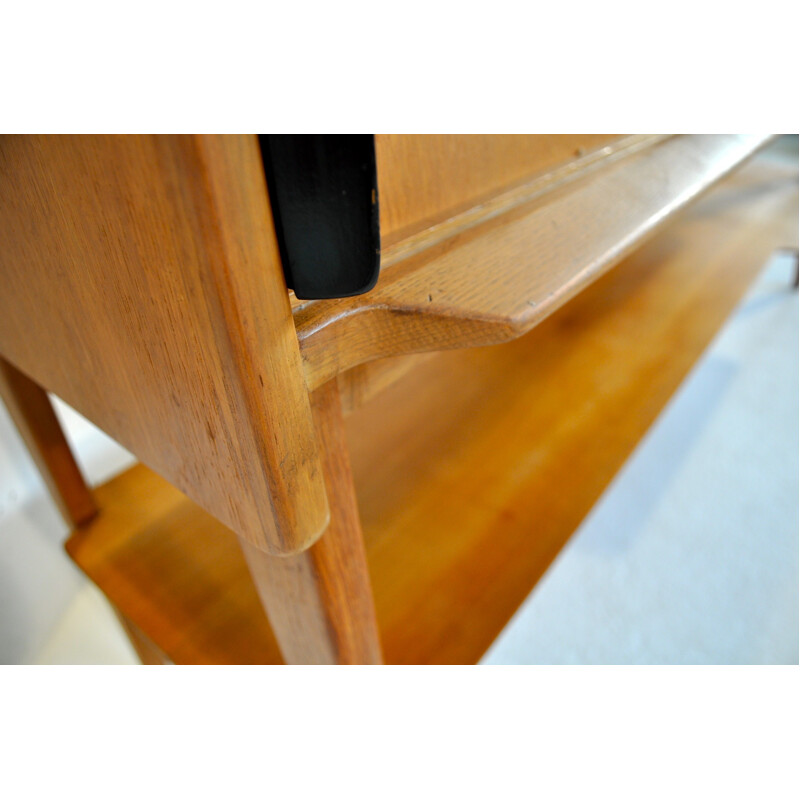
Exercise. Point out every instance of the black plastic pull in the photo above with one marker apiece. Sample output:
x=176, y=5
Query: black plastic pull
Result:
x=324, y=196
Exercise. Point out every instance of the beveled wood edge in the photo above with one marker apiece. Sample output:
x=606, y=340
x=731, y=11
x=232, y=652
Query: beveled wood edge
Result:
x=256, y=325
x=393, y=329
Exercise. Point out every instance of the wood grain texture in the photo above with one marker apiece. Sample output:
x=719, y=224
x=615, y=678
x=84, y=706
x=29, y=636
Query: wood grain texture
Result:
x=495, y=281
x=416, y=166
x=36, y=421
x=142, y=284
x=500, y=202
x=319, y=602
x=425, y=179
x=474, y=469
x=179, y=577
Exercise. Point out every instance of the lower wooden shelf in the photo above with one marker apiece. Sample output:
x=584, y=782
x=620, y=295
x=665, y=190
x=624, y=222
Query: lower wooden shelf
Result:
x=472, y=470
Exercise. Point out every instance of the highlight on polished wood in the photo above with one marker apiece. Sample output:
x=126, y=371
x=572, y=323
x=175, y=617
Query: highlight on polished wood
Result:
x=472, y=468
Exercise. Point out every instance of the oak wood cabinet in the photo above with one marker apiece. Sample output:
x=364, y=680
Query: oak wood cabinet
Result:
x=143, y=285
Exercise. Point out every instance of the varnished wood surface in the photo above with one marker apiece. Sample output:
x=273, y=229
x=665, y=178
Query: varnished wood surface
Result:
x=474, y=469
x=495, y=281
x=36, y=421
x=504, y=199
x=425, y=179
x=319, y=602
x=432, y=187
x=142, y=284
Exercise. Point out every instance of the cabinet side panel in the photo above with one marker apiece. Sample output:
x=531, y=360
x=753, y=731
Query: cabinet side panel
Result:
x=142, y=284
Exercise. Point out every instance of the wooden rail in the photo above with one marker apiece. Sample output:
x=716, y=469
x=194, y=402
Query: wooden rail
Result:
x=505, y=270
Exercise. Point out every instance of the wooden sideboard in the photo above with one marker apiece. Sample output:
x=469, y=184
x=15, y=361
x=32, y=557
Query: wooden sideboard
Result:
x=143, y=285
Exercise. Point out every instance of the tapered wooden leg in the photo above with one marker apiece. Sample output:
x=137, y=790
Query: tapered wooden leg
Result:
x=33, y=414
x=319, y=602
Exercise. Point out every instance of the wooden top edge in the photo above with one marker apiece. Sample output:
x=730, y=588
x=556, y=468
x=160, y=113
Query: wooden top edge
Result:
x=494, y=278
x=505, y=201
